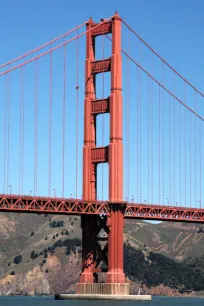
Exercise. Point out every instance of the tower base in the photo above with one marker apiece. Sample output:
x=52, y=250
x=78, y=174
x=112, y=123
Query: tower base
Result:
x=103, y=288
x=103, y=297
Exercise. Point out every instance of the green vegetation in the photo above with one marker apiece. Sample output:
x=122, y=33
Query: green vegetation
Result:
x=54, y=224
x=33, y=255
x=69, y=244
x=18, y=259
x=155, y=269
x=200, y=230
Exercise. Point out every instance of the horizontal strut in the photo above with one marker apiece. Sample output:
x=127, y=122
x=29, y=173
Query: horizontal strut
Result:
x=100, y=106
x=101, y=66
x=102, y=29
x=99, y=155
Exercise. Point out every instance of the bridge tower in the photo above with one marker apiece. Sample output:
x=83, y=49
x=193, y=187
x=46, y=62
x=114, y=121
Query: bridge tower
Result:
x=112, y=253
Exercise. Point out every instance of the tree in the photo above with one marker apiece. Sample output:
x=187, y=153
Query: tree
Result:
x=18, y=259
x=32, y=233
x=33, y=255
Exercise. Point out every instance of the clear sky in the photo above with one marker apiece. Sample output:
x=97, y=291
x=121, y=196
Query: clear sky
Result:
x=173, y=28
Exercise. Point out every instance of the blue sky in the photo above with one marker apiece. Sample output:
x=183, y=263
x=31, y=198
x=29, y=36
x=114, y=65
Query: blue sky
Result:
x=174, y=29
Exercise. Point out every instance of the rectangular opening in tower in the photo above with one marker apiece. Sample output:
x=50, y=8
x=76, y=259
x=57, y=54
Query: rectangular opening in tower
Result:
x=103, y=47
x=102, y=181
x=102, y=130
x=103, y=85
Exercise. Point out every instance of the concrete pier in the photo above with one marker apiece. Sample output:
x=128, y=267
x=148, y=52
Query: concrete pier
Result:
x=103, y=297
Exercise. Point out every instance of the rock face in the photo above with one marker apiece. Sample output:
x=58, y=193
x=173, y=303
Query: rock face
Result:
x=32, y=283
x=52, y=278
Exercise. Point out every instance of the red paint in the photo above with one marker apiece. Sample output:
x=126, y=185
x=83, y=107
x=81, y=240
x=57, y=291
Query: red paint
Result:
x=16, y=203
x=113, y=154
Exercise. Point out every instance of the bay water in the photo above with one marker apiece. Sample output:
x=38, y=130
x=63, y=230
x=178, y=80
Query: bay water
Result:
x=49, y=301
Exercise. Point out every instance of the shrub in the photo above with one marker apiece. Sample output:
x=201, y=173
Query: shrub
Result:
x=18, y=259
x=57, y=223
x=33, y=255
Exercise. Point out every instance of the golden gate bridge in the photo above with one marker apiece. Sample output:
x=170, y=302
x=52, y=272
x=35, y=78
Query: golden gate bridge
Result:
x=137, y=115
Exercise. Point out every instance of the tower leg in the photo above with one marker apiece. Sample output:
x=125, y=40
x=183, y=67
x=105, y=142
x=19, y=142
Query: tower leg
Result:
x=93, y=254
x=115, y=281
x=88, y=224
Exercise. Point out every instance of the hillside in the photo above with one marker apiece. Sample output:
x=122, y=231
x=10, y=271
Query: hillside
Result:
x=42, y=253
x=175, y=240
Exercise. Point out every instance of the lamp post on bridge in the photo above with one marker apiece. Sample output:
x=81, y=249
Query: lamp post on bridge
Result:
x=167, y=200
x=200, y=203
x=10, y=189
x=177, y=203
x=132, y=199
x=30, y=192
x=145, y=201
x=54, y=192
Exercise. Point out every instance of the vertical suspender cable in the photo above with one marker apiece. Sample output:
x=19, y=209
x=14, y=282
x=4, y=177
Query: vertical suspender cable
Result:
x=77, y=108
x=169, y=150
x=127, y=119
x=21, y=119
x=126, y=130
x=37, y=133
x=5, y=125
x=126, y=126
x=195, y=147
x=159, y=144
x=141, y=123
x=190, y=159
x=148, y=137
x=137, y=152
x=163, y=132
x=152, y=127
x=128, y=103
x=36, y=129
x=200, y=132
x=22, y=176
x=63, y=120
x=180, y=129
x=8, y=152
x=174, y=140
x=50, y=130
x=184, y=132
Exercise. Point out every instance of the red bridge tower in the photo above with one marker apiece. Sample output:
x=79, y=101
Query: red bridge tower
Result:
x=112, y=253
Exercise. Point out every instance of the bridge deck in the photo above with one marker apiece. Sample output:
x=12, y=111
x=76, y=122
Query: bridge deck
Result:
x=16, y=203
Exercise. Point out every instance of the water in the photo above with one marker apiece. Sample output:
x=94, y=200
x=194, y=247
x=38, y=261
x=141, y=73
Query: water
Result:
x=49, y=301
